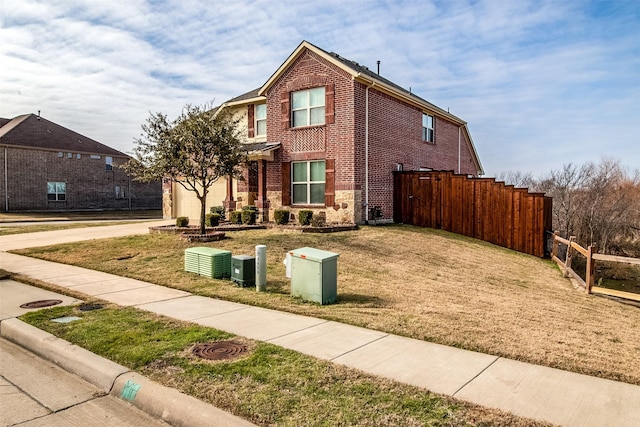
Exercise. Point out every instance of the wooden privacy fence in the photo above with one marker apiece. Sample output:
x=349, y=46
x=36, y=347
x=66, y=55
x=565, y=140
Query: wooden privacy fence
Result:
x=476, y=207
x=591, y=256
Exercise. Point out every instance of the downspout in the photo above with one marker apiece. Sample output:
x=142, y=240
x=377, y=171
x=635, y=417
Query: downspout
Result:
x=366, y=155
x=6, y=185
x=129, y=189
x=459, y=132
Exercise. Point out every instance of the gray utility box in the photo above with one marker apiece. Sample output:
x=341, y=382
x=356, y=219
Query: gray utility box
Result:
x=314, y=275
x=243, y=270
x=210, y=262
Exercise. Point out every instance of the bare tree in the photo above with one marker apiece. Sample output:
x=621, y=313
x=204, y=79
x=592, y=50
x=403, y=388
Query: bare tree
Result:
x=517, y=179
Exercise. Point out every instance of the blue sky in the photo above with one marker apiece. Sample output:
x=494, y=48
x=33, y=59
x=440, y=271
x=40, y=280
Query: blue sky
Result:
x=540, y=83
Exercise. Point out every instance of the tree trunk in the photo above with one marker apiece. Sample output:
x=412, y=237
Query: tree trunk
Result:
x=203, y=206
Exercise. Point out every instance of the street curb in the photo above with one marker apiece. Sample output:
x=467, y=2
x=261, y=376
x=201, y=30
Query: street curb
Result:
x=92, y=368
x=170, y=405
x=165, y=403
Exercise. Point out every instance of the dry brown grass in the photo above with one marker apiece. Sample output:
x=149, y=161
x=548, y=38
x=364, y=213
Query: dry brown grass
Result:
x=419, y=283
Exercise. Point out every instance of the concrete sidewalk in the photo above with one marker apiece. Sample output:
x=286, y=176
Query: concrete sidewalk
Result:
x=531, y=391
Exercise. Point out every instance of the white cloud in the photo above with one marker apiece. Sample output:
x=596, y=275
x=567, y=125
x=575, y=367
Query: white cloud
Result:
x=540, y=83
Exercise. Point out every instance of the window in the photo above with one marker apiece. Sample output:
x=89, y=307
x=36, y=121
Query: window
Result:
x=427, y=128
x=308, y=182
x=261, y=120
x=60, y=154
x=108, y=161
x=57, y=191
x=120, y=192
x=78, y=155
x=95, y=156
x=307, y=107
x=69, y=155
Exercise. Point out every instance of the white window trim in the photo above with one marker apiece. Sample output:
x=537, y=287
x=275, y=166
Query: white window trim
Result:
x=308, y=183
x=257, y=120
x=57, y=194
x=309, y=107
x=425, y=129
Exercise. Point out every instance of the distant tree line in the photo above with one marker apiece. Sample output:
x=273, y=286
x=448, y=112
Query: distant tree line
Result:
x=598, y=203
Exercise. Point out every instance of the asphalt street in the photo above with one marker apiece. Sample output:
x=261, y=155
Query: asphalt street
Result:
x=35, y=392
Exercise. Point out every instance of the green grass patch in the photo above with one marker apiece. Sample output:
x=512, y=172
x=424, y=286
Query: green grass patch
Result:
x=269, y=386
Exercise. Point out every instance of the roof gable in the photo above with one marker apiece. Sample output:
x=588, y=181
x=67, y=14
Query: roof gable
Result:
x=36, y=132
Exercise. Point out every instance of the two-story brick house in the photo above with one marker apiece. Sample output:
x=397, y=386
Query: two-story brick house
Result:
x=47, y=167
x=325, y=133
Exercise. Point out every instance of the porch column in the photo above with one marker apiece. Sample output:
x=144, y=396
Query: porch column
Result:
x=262, y=203
x=229, y=204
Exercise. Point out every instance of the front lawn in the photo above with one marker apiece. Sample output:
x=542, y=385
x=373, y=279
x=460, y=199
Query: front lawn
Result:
x=268, y=385
x=421, y=283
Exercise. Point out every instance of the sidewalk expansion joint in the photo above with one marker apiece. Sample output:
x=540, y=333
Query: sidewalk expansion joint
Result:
x=475, y=376
x=359, y=347
x=295, y=332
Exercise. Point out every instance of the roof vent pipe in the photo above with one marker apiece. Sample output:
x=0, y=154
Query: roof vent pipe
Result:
x=38, y=114
x=378, y=62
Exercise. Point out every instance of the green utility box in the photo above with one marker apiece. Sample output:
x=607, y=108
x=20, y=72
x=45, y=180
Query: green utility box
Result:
x=210, y=262
x=243, y=270
x=314, y=275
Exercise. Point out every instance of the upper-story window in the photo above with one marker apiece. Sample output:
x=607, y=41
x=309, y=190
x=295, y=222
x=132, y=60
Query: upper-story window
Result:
x=428, y=133
x=108, y=162
x=261, y=119
x=307, y=107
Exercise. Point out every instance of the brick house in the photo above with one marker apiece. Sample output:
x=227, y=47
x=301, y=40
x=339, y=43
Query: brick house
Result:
x=325, y=133
x=46, y=167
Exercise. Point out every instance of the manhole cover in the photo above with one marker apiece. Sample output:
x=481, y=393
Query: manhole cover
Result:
x=90, y=307
x=221, y=350
x=41, y=303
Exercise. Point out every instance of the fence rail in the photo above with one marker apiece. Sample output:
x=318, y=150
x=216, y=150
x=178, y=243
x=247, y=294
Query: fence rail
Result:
x=589, y=253
x=476, y=207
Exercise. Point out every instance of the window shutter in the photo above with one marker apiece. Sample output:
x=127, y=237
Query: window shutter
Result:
x=286, y=110
x=329, y=104
x=329, y=184
x=251, y=120
x=286, y=183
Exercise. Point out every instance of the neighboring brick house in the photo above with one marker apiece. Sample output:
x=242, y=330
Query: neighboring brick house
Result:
x=46, y=167
x=325, y=133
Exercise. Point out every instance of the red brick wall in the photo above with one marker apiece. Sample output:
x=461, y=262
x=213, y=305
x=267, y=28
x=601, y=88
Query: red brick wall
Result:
x=332, y=141
x=395, y=135
x=89, y=184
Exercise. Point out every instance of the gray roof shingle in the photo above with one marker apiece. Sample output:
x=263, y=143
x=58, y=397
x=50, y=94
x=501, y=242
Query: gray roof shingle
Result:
x=36, y=132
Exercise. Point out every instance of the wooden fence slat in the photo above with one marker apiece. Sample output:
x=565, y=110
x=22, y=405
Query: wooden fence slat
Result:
x=615, y=258
x=476, y=207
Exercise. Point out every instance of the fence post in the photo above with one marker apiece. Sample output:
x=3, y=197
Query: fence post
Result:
x=567, y=262
x=591, y=268
x=554, y=248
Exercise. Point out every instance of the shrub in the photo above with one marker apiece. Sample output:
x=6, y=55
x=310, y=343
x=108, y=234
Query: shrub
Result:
x=281, y=216
x=212, y=219
x=317, y=221
x=235, y=217
x=218, y=210
x=248, y=216
x=182, y=221
x=250, y=208
x=304, y=217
